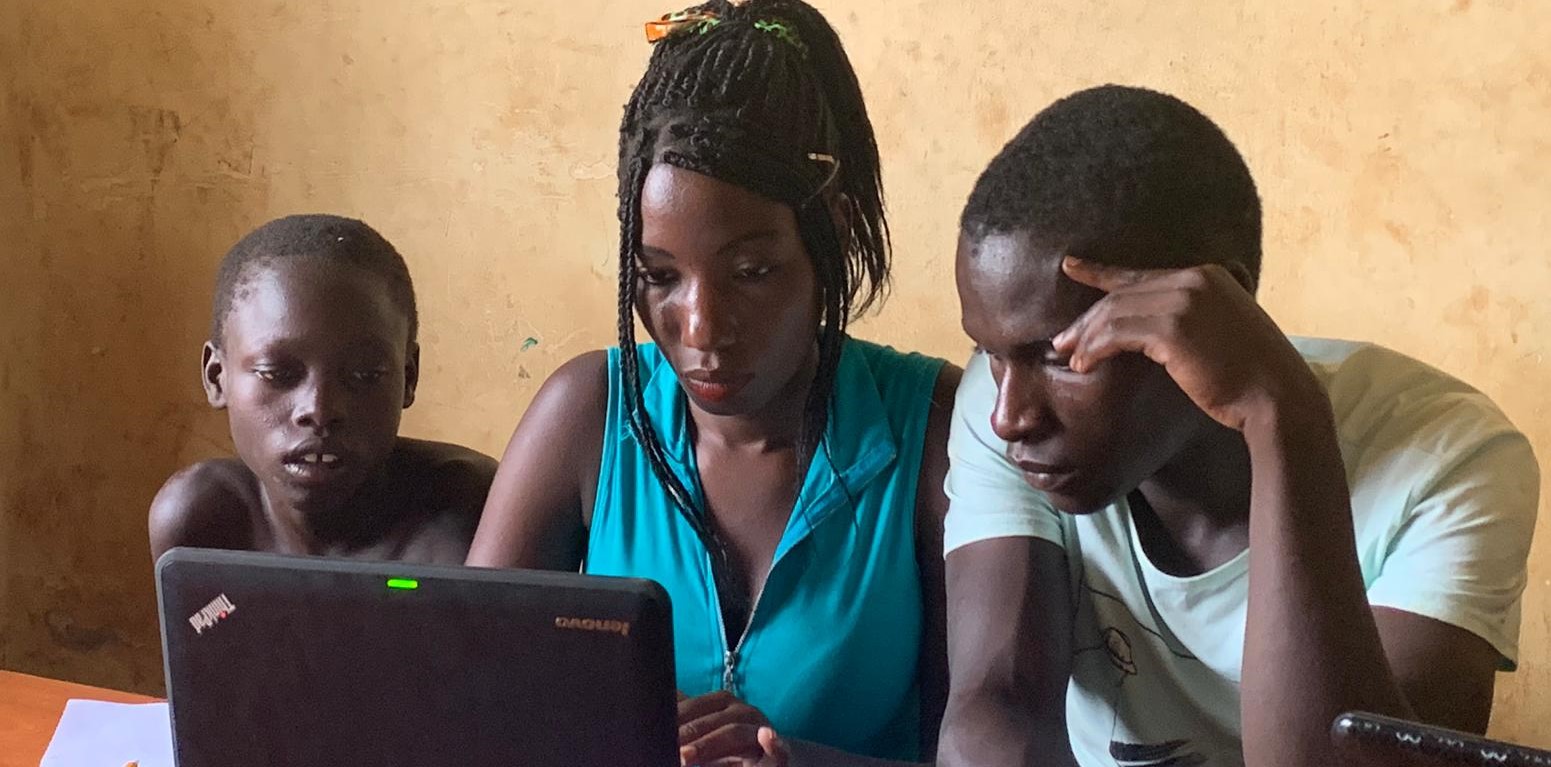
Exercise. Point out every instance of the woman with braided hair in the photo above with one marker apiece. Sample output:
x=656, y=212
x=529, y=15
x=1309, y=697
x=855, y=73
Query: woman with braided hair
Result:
x=780, y=479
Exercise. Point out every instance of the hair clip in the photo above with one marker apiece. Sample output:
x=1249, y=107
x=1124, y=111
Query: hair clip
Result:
x=834, y=168
x=782, y=31
x=700, y=22
x=681, y=21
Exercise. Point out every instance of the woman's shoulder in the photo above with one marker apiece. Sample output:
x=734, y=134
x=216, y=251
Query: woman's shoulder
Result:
x=884, y=358
x=912, y=376
x=575, y=398
x=594, y=371
x=587, y=373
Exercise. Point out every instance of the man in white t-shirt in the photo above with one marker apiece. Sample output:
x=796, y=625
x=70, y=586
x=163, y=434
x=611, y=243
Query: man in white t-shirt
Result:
x=1178, y=537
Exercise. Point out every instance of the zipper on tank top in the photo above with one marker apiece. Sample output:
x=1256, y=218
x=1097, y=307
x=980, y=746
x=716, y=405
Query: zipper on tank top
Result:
x=730, y=655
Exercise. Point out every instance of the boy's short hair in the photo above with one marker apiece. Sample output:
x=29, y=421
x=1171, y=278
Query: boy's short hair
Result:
x=1127, y=176
x=332, y=238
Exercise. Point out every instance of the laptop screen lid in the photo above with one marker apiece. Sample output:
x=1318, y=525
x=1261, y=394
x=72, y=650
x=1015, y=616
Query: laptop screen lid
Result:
x=275, y=660
x=1369, y=739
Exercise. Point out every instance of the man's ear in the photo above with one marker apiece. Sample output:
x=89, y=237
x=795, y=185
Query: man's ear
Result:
x=411, y=373
x=213, y=375
x=1241, y=275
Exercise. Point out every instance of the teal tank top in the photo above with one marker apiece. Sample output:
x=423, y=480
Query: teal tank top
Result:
x=832, y=647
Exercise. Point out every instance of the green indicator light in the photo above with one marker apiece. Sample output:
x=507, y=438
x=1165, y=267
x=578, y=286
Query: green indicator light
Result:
x=405, y=584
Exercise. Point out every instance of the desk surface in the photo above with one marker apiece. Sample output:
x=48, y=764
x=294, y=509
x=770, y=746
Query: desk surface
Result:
x=29, y=710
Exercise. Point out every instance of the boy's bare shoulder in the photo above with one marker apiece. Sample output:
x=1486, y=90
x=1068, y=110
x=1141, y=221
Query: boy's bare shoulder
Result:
x=448, y=480
x=454, y=472
x=450, y=484
x=209, y=504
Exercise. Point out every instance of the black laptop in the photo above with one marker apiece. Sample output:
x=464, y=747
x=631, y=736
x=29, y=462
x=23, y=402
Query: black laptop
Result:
x=1370, y=739
x=277, y=660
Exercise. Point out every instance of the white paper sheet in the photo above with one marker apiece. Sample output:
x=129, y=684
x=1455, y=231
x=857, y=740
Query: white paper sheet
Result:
x=92, y=733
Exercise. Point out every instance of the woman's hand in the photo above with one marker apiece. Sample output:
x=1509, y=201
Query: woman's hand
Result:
x=719, y=729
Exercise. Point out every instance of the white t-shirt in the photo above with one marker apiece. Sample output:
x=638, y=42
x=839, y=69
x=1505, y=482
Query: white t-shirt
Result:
x=1444, y=494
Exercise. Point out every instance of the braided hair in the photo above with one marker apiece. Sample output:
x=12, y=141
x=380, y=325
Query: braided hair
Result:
x=760, y=94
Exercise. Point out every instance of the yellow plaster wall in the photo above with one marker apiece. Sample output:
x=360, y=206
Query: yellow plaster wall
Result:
x=1401, y=149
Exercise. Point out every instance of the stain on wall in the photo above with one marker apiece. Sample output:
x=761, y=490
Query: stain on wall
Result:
x=107, y=228
x=1401, y=155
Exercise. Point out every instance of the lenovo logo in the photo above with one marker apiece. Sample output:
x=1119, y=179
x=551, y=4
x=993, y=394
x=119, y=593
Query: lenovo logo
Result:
x=621, y=628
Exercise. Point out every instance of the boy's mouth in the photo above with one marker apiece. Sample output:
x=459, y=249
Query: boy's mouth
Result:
x=318, y=458
x=313, y=468
x=314, y=464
